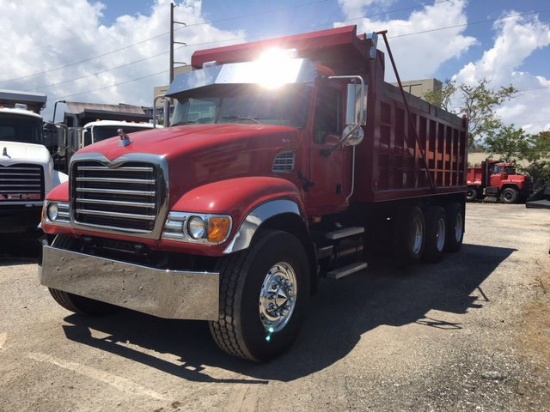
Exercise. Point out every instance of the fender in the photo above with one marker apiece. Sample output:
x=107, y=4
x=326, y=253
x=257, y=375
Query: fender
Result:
x=60, y=192
x=249, y=200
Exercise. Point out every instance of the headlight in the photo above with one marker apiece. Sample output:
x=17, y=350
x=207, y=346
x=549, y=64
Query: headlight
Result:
x=196, y=227
x=187, y=227
x=52, y=212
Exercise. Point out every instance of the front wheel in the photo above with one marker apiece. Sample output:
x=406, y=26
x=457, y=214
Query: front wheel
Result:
x=509, y=195
x=81, y=305
x=471, y=194
x=75, y=303
x=264, y=294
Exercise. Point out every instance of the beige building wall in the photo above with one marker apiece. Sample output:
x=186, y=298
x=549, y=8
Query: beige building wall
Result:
x=419, y=88
x=161, y=90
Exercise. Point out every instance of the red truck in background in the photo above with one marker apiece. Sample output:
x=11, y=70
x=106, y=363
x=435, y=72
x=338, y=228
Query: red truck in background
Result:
x=273, y=174
x=497, y=179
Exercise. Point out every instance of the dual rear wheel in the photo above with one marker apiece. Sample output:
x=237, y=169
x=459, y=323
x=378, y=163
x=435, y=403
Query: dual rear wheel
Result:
x=427, y=233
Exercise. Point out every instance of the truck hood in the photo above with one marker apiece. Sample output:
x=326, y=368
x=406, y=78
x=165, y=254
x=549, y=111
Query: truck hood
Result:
x=172, y=142
x=199, y=154
x=16, y=152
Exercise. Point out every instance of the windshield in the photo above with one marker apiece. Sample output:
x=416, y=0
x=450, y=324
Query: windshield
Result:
x=17, y=128
x=105, y=132
x=287, y=106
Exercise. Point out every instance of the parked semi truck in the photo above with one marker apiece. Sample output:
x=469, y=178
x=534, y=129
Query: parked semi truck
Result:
x=87, y=123
x=498, y=180
x=274, y=173
x=26, y=167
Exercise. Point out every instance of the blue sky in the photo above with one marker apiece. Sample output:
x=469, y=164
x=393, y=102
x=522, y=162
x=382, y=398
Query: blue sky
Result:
x=116, y=51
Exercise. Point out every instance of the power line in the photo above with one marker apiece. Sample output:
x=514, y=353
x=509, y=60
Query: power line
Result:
x=156, y=37
x=222, y=41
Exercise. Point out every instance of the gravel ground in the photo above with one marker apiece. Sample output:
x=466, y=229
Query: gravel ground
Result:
x=471, y=333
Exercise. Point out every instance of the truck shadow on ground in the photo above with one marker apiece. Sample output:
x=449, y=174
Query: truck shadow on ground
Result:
x=339, y=315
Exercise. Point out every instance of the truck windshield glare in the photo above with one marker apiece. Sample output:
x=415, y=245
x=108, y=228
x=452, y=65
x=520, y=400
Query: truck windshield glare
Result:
x=14, y=128
x=287, y=106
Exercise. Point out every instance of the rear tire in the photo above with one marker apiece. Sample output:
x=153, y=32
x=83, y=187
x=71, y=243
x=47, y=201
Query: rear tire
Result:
x=455, y=227
x=409, y=235
x=264, y=295
x=436, y=226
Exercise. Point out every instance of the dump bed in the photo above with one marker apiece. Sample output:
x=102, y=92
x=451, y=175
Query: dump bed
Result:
x=405, y=156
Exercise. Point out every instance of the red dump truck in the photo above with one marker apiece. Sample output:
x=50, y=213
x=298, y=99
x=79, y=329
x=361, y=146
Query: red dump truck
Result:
x=498, y=180
x=285, y=161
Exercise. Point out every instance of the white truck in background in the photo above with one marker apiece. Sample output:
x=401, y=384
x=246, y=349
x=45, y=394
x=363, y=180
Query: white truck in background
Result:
x=87, y=123
x=26, y=168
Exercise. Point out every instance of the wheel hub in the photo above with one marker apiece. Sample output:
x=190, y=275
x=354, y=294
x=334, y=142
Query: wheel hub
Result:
x=277, y=297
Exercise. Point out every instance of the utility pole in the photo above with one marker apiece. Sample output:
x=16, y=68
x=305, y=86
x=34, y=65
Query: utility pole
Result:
x=173, y=42
x=172, y=62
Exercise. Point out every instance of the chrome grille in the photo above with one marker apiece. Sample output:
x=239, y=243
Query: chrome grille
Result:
x=21, y=182
x=127, y=196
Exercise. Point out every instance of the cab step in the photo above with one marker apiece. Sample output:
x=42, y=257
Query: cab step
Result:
x=346, y=270
x=345, y=232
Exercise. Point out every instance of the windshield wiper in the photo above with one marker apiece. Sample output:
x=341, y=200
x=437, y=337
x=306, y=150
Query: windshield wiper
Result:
x=183, y=122
x=251, y=118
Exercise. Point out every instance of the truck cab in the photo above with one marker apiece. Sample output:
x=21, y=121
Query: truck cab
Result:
x=65, y=141
x=26, y=167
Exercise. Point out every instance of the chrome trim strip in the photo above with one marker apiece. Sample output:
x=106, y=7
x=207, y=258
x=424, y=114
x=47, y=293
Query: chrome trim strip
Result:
x=256, y=218
x=170, y=294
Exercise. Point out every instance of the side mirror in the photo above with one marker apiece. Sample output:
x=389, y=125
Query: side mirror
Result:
x=354, y=106
x=356, y=114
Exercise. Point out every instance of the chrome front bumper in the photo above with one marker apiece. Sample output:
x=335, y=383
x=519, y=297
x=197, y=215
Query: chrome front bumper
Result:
x=163, y=293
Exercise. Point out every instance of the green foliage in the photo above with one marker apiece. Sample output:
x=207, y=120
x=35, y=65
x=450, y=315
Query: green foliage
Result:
x=441, y=98
x=478, y=102
x=538, y=154
x=487, y=131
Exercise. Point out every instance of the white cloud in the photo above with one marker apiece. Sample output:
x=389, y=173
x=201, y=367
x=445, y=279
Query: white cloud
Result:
x=70, y=55
x=427, y=39
x=517, y=38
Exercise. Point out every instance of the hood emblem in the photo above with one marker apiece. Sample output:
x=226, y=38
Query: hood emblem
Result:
x=124, y=138
x=5, y=153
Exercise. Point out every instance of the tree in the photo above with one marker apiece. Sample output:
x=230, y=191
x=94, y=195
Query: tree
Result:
x=538, y=154
x=478, y=102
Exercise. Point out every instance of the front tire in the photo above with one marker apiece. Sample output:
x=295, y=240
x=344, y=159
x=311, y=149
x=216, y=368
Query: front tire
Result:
x=81, y=305
x=264, y=295
x=509, y=195
x=74, y=303
x=471, y=194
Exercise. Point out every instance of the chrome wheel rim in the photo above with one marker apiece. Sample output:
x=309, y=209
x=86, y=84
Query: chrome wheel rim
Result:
x=440, y=242
x=278, y=297
x=418, y=236
x=459, y=224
